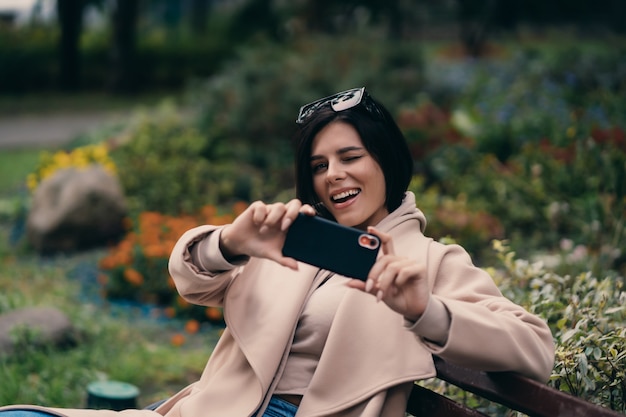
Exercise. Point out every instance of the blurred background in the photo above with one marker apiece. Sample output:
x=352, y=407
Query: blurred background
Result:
x=133, y=46
x=170, y=114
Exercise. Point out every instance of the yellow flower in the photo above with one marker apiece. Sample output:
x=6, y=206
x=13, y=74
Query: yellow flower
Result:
x=100, y=152
x=62, y=160
x=79, y=158
x=31, y=181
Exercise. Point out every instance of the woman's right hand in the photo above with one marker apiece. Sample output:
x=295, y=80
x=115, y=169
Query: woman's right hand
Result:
x=260, y=231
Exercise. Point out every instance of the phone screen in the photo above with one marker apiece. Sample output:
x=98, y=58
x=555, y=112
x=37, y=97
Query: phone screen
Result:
x=329, y=245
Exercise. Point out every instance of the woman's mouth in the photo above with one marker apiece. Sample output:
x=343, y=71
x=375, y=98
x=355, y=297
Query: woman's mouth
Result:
x=344, y=196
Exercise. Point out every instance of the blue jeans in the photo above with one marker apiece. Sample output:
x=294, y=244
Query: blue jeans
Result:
x=277, y=408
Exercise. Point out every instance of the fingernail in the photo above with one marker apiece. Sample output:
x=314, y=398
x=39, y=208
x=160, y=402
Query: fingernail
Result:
x=285, y=224
x=368, y=285
x=379, y=295
x=263, y=229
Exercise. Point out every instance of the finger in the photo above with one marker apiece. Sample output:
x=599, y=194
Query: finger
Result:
x=379, y=267
x=411, y=272
x=273, y=218
x=259, y=212
x=275, y=214
x=308, y=210
x=285, y=261
x=395, y=270
x=357, y=284
x=386, y=242
x=292, y=209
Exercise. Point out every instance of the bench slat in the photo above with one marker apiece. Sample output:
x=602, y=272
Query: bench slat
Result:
x=520, y=393
x=426, y=403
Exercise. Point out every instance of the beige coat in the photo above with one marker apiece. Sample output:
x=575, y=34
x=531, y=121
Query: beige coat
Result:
x=370, y=358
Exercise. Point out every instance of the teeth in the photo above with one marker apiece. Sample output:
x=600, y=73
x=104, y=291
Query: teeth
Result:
x=344, y=194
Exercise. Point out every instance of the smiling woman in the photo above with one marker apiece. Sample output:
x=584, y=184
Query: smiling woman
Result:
x=420, y=298
x=344, y=174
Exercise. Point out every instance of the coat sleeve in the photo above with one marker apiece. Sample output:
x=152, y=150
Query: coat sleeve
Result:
x=195, y=283
x=487, y=331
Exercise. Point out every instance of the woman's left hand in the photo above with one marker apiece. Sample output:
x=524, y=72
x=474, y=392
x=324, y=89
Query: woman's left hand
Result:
x=399, y=282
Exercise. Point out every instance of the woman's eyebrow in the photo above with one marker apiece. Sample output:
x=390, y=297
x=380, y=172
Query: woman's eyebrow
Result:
x=339, y=151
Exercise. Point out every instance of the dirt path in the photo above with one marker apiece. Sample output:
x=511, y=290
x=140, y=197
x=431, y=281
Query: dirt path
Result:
x=54, y=129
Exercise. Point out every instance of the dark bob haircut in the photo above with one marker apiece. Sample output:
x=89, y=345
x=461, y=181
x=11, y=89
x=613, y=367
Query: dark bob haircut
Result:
x=380, y=135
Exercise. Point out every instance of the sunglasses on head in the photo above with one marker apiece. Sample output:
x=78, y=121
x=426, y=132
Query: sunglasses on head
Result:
x=340, y=101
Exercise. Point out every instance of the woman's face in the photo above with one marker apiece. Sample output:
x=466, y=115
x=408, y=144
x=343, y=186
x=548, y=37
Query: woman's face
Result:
x=346, y=178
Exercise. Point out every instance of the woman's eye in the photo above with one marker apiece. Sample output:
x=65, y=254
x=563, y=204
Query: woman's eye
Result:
x=352, y=158
x=319, y=167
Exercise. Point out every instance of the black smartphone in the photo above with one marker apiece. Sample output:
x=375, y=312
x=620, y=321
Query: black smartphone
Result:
x=329, y=245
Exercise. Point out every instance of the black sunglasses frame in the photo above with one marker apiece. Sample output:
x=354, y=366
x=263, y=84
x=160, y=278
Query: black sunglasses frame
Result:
x=341, y=101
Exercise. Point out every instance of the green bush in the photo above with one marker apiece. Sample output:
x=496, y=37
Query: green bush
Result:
x=546, y=193
x=533, y=94
x=163, y=167
x=587, y=316
x=252, y=105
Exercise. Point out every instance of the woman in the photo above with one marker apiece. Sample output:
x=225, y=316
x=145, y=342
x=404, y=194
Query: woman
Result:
x=307, y=342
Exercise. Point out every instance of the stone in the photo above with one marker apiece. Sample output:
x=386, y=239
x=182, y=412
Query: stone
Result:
x=76, y=209
x=43, y=326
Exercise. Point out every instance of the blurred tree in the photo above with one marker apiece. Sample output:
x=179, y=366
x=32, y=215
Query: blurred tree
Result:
x=600, y=15
x=198, y=16
x=123, y=48
x=475, y=20
x=333, y=16
x=70, y=17
x=253, y=18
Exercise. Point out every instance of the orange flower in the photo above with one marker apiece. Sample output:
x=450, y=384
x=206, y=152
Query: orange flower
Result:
x=108, y=262
x=177, y=339
x=239, y=207
x=170, y=282
x=127, y=223
x=133, y=276
x=169, y=312
x=155, y=250
x=207, y=212
x=192, y=326
x=223, y=219
x=103, y=279
x=214, y=313
x=182, y=302
x=148, y=218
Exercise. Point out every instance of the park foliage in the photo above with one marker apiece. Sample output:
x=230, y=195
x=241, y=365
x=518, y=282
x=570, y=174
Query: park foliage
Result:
x=526, y=149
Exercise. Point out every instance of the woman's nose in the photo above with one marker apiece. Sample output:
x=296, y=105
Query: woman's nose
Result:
x=334, y=173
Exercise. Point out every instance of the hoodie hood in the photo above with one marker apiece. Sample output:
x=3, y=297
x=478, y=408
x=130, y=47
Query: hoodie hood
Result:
x=407, y=212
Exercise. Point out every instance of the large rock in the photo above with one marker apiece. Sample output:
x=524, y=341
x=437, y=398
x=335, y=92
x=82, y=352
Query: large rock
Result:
x=76, y=209
x=43, y=326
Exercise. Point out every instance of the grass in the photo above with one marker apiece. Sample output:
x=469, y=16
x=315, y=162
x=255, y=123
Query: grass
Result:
x=114, y=342
x=15, y=164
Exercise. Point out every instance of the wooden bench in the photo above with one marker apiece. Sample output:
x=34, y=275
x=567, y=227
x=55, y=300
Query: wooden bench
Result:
x=509, y=389
x=505, y=388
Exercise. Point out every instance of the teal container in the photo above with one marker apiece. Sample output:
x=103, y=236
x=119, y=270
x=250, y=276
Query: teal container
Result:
x=112, y=395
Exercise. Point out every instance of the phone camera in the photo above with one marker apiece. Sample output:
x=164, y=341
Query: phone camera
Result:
x=368, y=242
